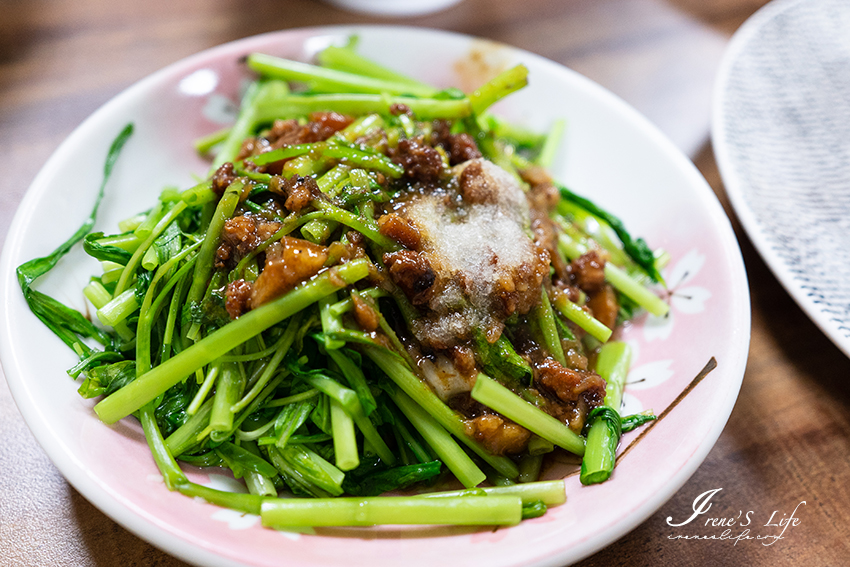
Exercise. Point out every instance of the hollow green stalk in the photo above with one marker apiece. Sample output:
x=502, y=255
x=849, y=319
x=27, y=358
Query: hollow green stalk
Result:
x=130, y=268
x=144, y=389
x=486, y=510
x=323, y=79
x=466, y=471
x=344, y=440
x=618, y=278
x=582, y=318
x=346, y=59
x=204, y=265
x=228, y=388
x=549, y=329
x=550, y=492
x=404, y=378
x=603, y=436
x=294, y=106
x=497, y=397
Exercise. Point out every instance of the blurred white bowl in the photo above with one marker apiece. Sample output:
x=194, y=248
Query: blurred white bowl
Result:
x=394, y=7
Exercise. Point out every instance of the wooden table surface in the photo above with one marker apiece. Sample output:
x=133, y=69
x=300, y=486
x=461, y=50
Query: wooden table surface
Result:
x=788, y=438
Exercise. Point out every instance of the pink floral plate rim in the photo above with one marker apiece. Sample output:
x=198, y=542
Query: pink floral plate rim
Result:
x=610, y=153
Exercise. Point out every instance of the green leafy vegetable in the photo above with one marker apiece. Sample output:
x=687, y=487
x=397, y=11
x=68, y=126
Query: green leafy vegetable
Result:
x=637, y=249
x=277, y=318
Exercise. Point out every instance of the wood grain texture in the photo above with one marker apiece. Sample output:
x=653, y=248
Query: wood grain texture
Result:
x=788, y=439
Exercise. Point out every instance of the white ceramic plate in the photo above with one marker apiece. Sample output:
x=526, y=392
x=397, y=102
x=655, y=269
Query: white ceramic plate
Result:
x=781, y=133
x=611, y=153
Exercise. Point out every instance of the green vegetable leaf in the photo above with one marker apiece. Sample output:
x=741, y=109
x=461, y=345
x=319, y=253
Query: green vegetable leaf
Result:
x=634, y=421
x=637, y=249
x=171, y=412
x=238, y=458
x=396, y=478
x=500, y=359
x=106, y=379
x=533, y=509
x=104, y=252
x=68, y=324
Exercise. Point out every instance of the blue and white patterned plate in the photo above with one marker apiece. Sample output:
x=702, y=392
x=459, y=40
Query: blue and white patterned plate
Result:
x=781, y=134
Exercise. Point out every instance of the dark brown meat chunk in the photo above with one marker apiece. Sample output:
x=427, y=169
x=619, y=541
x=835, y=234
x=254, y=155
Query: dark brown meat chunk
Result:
x=288, y=262
x=546, y=237
x=329, y=123
x=322, y=125
x=365, y=316
x=340, y=253
x=238, y=298
x=536, y=175
x=459, y=147
x=497, y=434
x=299, y=191
x=252, y=146
x=399, y=229
x=286, y=133
x=398, y=108
x=588, y=272
x=604, y=306
x=475, y=187
x=466, y=406
x=462, y=147
x=222, y=178
x=463, y=357
x=520, y=291
x=412, y=273
x=240, y=236
x=570, y=385
x=420, y=161
x=543, y=196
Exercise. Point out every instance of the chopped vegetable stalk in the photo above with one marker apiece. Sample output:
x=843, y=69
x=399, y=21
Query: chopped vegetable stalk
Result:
x=208, y=142
x=499, y=87
x=546, y=157
x=494, y=395
x=245, y=503
x=282, y=347
x=619, y=279
x=582, y=318
x=549, y=329
x=529, y=468
x=227, y=390
x=550, y=492
x=623, y=283
x=637, y=249
x=291, y=106
x=604, y=422
x=135, y=260
x=330, y=80
x=186, y=436
x=346, y=59
x=424, y=397
x=486, y=510
x=171, y=473
x=146, y=388
x=345, y=443
x=438, y=438
x=229, y=338
x=204, y=265
x=247, y=119
x=307, y=470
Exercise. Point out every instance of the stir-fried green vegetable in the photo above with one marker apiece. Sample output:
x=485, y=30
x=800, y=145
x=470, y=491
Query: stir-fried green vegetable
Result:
x=277, y=319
